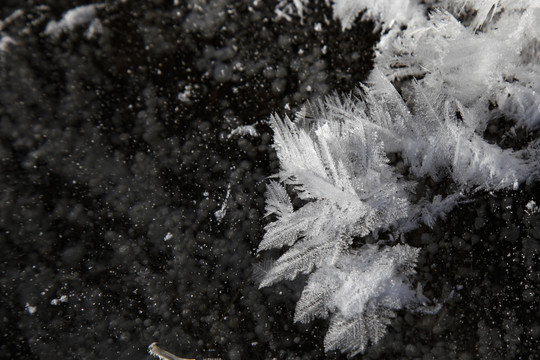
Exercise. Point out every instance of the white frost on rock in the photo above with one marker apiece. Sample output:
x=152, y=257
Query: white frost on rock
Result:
x=95, y=29
x=532, y=208
x=383, y=12
x=5, y=23
x=31, y=309
x=185, y=96
x=5, y=41
x=287, y=9
x=243, y=131
x=220, y=214
x=62, y=299
x=81, y=15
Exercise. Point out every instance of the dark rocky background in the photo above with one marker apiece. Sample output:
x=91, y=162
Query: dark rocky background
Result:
x=116, y=151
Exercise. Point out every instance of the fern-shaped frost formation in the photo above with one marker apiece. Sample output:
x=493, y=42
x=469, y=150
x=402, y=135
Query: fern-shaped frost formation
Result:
x=498, y=65
x=455, y=78
x=334, y=160
x=338, y=168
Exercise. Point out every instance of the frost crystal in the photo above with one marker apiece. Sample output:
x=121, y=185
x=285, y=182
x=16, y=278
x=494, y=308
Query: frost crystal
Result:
x=386, y=12
x=455, y=78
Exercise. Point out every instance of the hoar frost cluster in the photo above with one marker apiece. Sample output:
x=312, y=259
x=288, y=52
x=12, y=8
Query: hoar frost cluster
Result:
x=460, y=64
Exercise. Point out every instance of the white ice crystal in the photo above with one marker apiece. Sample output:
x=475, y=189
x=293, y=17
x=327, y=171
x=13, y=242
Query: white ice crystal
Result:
x=454, y=77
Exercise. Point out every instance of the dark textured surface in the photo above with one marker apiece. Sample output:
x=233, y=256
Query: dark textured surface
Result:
x=109, y=181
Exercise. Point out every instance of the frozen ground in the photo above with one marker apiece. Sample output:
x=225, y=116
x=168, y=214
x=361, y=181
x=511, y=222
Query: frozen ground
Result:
x=121, y=137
